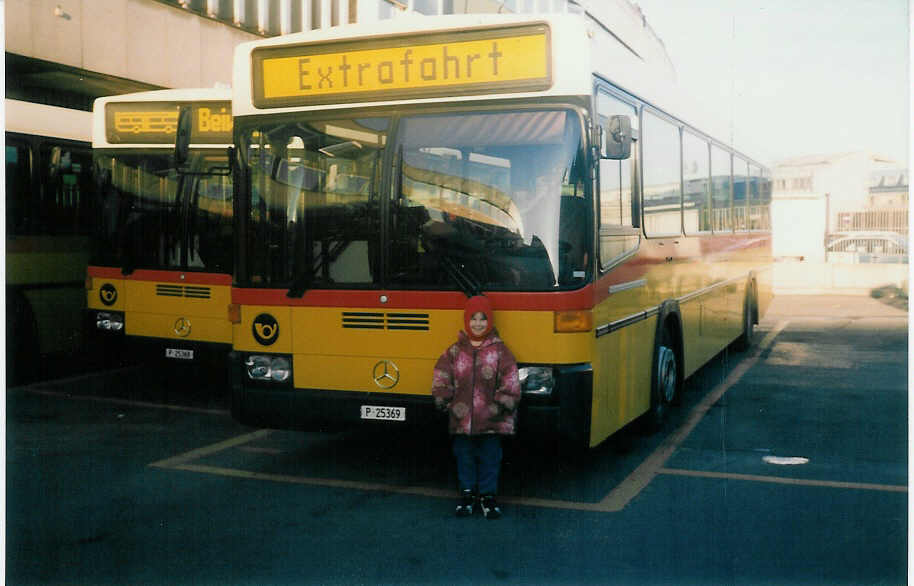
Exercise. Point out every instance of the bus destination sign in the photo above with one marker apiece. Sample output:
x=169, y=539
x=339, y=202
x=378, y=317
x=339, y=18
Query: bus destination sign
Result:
x=157, y=122
x=507, y=59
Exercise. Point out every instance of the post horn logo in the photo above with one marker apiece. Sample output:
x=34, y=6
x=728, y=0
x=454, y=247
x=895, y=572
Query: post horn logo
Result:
x=182, y=327
x=108, y=294
x=385, y=374
x=265, y=329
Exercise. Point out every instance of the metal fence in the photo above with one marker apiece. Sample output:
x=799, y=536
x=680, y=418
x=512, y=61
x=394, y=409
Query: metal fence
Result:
x=874, y=220
x=867, y=247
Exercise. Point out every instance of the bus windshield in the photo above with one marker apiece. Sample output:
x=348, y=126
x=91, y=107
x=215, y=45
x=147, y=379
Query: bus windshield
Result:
x=152, y=217
x=475, y=200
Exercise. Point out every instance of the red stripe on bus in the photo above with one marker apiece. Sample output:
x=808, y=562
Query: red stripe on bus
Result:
x=564, y=300
x=650, y=254
x=677, y=249
x=104, y=272
x=162, y=276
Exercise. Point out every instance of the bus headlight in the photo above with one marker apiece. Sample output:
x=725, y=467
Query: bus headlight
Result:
x=280, y=369
x=109, y=321
x=536, y=380
x=268, y=368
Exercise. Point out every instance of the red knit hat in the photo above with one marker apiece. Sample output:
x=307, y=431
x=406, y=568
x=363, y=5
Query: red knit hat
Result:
x=475, y=304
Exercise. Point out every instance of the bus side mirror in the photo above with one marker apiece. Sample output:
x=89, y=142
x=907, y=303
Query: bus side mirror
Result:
x=182, y=137
x=616, y=138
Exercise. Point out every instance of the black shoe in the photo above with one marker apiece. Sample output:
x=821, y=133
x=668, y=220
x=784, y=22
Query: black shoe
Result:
x=467, y=503
x=490, y=507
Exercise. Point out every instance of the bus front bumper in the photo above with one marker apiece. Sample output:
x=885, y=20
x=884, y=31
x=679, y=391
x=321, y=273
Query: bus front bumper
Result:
x=262, y=404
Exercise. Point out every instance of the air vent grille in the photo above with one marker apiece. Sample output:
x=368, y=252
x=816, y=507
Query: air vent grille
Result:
x=190, y=291
x=362, y=320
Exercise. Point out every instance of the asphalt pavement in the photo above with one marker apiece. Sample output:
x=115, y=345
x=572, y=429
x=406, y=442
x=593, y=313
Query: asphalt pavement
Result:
x=786, y=464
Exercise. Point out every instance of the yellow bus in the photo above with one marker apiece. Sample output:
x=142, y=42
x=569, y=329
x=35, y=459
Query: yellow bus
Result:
x=388, y=171
x=48, y=179
x=160, y=271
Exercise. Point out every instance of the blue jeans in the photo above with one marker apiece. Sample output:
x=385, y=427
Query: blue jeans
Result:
x=478, y=462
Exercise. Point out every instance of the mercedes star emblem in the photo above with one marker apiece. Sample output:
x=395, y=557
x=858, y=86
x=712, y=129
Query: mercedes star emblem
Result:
x=182, y=327
x=385, y=374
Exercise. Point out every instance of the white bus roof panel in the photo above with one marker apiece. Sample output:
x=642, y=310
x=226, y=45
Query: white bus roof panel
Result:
x=42, y=120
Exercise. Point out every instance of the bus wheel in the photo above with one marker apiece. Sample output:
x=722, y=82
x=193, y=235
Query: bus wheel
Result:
x=744, y=341
x=665, y=381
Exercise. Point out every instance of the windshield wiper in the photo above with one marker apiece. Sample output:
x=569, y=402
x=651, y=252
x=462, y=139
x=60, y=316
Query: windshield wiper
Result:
x=464, y=279
x=301, y=284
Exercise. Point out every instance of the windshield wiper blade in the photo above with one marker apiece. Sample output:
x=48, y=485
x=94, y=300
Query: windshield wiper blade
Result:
x=461, y=276
x=301, y=284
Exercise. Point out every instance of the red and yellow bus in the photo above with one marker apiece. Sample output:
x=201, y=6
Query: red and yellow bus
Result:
x=385, y=173
x=48, y=181
x=160, y=271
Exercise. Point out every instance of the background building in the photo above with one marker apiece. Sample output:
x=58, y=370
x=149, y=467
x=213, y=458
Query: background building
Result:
x=69, y=52
x=845, y=216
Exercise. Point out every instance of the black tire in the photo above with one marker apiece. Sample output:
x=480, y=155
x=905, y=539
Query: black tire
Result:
x=665, y=381
x=744, y=341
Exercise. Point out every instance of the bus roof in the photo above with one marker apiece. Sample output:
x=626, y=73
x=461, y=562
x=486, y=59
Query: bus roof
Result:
x=148, y=119
x=39, y=119
x=603, y=40
x=566, y=50
x=618, y=47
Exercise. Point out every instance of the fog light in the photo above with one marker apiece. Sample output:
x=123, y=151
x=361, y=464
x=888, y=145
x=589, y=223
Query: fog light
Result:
x=280, y=369
x=258, y=367
x=536, y=380
x=268, y=368
x=109, y=321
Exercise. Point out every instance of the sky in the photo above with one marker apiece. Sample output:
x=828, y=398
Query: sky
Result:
x=800, y=77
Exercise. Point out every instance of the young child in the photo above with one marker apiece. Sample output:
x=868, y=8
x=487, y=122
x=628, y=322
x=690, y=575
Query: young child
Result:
x=476, y=382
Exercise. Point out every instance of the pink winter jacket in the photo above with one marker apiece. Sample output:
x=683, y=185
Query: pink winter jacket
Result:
x=478, y=386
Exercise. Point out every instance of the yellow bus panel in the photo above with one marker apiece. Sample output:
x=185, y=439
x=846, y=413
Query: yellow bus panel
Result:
x=363, y=373
x=175, y=311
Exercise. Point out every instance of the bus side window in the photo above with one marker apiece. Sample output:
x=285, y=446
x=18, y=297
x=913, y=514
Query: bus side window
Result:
x=65, y=174
x=721, y=200
x=740, y=194
x=616, y=185
x=661, y=187
x=18, y=187
x=762, y=206
x=695, y=173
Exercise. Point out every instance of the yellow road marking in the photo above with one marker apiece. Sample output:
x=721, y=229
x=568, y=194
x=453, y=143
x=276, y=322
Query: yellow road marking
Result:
x=182, y=459
x=175, y=464
x=783, y=480
x=615, y=501
x=126, y=402
x=645, y=473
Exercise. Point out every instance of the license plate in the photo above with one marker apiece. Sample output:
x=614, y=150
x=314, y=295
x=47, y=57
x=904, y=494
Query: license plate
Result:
x=179, y=353
x=383, y=413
